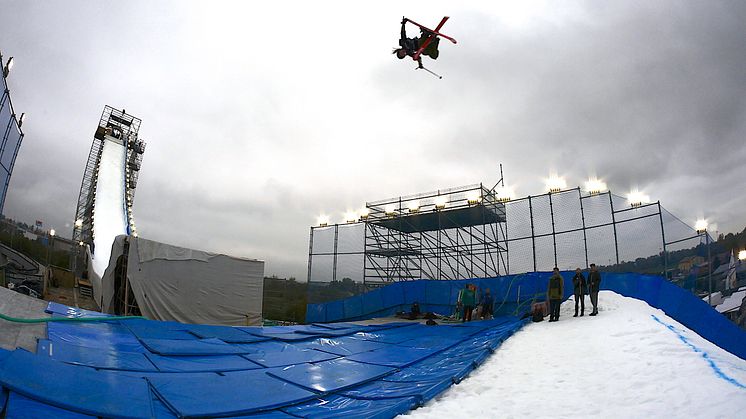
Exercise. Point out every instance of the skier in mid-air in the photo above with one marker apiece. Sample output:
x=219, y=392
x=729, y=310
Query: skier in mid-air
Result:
x=425, y=44
x=409, y=46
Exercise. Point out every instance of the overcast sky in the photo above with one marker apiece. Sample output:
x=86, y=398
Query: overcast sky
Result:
x=260, y=116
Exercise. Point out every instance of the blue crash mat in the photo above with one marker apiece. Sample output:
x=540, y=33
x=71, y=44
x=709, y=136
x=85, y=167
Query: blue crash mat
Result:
x=234, y=393
x=105, y=336
x=190, y=347
x=21, y=407
x=422, y=390
x=153, y=329
x=348, y=408
x=400, y=334
x=281, y=359
x=201, y=363
x=103, y=359
x=333, y=375
x=224, y=333
x=76, y=388
x=345, y=345
x=271, y=346
x=341, y=325
x=67, y=311
x=393, y=356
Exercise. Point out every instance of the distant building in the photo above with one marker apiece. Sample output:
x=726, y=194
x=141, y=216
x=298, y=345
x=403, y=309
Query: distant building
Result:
x=688, y=262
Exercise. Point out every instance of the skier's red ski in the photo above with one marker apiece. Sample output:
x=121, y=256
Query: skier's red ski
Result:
x=430, y=37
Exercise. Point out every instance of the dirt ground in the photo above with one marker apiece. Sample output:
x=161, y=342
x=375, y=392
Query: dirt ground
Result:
x=70, y=297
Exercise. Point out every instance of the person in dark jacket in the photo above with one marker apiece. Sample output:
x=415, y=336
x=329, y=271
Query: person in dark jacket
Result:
x=555, y=291
x=487, y=302
x=594, y=282
x=579, y=290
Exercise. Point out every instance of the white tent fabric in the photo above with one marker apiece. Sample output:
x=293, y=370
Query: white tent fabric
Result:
x=188, y=286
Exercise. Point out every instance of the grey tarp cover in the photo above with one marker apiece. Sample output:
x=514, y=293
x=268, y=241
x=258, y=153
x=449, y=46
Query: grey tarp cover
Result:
x=186, y=285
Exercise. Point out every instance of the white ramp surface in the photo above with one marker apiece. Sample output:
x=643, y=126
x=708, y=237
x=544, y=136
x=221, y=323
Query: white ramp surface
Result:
x=110, y=217
x=631, y=360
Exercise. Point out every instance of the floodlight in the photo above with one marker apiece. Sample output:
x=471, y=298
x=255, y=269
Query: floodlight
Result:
x=595, y=186
x=390, y=209
x=8, y=66
x=701, y=226
x=80, y=243
x=473, y=197
x=413, y=206
x=78, y=223
x=323, y=220
x=742, y=255
x=364, y=213
x=637, y=198
x=52, y=232
x=555, y=183
x=440, y=202
x=350, y=217
x=505, y=194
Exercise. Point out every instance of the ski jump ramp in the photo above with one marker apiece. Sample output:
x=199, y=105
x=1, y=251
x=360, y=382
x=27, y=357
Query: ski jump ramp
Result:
x=110, y=216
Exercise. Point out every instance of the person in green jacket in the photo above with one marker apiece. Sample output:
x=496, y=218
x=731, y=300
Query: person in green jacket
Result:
x=594, y=283
x=468, y=301
x=555, y=291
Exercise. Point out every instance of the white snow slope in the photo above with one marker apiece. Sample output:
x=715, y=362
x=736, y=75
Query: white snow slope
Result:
x=110, y=216
x=631, y=360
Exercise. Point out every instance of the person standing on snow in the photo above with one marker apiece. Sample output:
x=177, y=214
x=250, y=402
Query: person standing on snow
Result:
x=487, y=303
x=555, y=291
x=579, y=290
x=468, y=300
x=594, y=282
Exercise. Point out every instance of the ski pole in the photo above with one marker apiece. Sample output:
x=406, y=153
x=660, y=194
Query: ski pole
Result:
x=426, y=69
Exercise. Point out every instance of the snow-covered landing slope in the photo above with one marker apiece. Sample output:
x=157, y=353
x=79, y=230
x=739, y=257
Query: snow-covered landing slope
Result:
x=629, y=361
x=110, y=213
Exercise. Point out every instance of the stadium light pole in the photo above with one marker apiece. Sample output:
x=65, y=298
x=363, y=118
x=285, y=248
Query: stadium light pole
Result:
x=7, y=67
x=701, y=227
x=50, y=244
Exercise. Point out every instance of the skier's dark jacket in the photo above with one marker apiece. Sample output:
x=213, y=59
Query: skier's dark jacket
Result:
x=578, y=283
x=594, y=280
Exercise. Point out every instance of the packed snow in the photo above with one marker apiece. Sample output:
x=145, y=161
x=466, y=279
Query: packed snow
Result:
x=110, y=217
x=631, y=360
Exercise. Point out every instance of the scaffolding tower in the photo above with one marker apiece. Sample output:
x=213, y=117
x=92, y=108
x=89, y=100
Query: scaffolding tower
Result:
x=444, y=235
x=123, y=127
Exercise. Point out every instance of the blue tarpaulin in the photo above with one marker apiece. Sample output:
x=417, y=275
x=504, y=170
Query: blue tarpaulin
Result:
x=319, y=370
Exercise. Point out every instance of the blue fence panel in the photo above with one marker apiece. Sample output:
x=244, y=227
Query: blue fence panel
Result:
x=353, y=307
x=438, y=293
x=393, y=295
x=414, y=292
x=316, y=313
x=335, y=311
x=373, y=301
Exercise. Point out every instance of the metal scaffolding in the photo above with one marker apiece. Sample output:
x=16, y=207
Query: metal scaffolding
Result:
x=123, y=127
